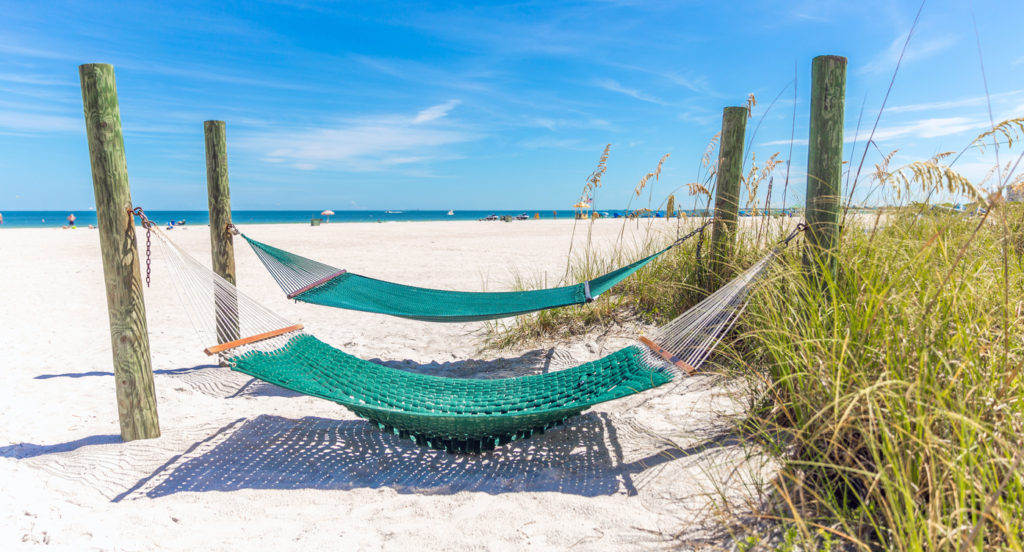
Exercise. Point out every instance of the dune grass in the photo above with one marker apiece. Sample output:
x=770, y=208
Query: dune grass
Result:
x=891, y=393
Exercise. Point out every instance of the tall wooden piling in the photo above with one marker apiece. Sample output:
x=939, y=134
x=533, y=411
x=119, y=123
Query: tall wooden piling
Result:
x=222, y=245
x=825, y=160
x=129, y=337
x=727, y=191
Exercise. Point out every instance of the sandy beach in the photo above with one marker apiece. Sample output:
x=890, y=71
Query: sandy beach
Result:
x=243, y=464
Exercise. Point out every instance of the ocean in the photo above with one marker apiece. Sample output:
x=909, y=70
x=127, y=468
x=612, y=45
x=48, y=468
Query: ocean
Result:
x=56, y=219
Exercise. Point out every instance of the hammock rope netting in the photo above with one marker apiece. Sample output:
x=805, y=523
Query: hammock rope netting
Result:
x=314, y=282
x=452, y=414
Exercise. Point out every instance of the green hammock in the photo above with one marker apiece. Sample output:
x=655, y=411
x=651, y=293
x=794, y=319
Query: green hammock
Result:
x=310, y=281
x=457, y=415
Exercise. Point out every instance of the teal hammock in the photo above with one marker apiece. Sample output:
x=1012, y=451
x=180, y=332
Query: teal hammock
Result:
x=313, y=282
x=455, y=415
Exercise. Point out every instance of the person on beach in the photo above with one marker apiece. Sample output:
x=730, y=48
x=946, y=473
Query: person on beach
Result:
x=71, y=220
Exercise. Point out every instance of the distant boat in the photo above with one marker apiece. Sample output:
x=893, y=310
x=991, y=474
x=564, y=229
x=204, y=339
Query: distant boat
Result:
x=451, y=213
x=392, y=212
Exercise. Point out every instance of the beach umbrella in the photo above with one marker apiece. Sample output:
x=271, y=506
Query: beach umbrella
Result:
x=326, y=213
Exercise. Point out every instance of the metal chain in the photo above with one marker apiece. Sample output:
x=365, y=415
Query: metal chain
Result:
x=700, y=244
x=698, y=230
x=148, y=225
x=800, y=227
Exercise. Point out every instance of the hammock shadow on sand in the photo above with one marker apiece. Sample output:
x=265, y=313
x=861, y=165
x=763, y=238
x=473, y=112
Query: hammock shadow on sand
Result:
x=583, y=458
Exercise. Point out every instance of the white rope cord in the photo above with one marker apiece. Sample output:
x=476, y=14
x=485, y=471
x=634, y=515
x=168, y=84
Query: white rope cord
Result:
x=298, y=273
x=219, y=312
x=694, y=334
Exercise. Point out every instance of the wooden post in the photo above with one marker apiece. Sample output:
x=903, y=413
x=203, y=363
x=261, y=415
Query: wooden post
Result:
x=825, y=160
x=129, y=337
x=222, y=246
x=727, y=191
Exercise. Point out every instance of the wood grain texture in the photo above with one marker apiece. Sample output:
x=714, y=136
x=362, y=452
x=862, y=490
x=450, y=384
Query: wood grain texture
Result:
x=222, y=247
x=727, y=191
x=825, y=160
x=129, y=337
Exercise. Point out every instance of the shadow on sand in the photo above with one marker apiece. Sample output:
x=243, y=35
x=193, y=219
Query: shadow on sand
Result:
x=271, y=452
x=32, y=450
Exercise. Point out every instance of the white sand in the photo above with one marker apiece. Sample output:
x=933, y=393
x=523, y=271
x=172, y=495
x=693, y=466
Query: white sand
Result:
x=246, y=465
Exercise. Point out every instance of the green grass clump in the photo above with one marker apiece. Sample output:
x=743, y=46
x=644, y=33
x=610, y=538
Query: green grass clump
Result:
x=894, y=390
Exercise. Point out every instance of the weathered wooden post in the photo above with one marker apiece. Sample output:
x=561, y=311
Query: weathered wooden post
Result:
x=129, y=337
x=727, y=191
x=825, y=161
x=222, y=246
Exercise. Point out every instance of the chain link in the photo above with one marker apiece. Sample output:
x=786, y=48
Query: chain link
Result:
x=800, y=227
x=698, y=230
x=148, y=225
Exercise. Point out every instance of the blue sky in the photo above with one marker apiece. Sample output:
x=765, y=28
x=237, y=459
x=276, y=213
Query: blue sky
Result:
x=506, y=105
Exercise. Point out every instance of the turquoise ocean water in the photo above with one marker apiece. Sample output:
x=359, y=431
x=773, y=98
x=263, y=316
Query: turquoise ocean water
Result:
x=56, y=219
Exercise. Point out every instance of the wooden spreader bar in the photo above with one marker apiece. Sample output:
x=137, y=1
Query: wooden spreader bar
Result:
x=668, y=356
x=251, y=339
x=308, y=287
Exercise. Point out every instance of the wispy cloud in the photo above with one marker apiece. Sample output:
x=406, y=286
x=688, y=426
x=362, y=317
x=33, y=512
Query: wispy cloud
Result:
x=934, y=127
x=917, y=49
x=435, y=112
x=18, y=50
x=614, y=86
x=547, y=142
x=41, y=80
x=364, y=144
x=797, y=141
x=554, y=124
x=1008, y=97
x=20, y=122
x=427, y=74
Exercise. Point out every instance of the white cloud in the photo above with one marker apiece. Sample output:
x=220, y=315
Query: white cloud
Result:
x=365, y=144
x=36, y=79
x=981, y=101
x=614, y=86
x=34, y=123
x=545, y=142
x=796, y=141
x=435, y=112
x=917, y=49
x=934, y=127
